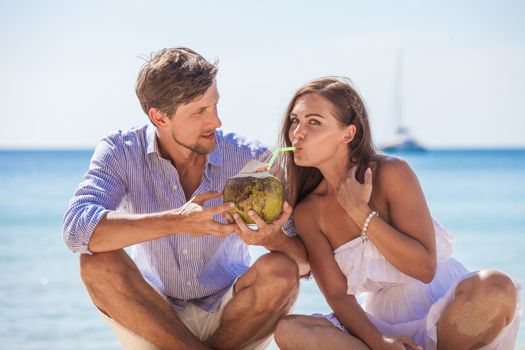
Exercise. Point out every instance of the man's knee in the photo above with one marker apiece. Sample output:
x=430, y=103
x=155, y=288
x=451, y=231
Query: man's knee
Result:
x=277, y=283
x=278, y=270
x=101, y=268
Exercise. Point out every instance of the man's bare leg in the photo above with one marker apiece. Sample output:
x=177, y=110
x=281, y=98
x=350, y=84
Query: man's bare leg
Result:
x=118, y=289
x=265, y=293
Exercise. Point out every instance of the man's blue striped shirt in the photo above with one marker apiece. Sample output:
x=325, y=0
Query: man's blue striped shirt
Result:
x=128, y=173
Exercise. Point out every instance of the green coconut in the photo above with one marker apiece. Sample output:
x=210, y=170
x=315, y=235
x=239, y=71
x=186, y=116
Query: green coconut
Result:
x=256, y=189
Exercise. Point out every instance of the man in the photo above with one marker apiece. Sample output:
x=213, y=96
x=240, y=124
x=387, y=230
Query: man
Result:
x=157, y=189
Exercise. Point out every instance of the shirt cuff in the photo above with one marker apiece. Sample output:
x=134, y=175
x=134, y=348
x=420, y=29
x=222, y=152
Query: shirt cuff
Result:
x=84, y=236
x=289, y=228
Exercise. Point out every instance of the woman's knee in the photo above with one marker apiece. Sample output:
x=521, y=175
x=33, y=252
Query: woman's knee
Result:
x=490, y=290
x=498, y=289
x=497, y=279
x=288, y=326
x=284, y=326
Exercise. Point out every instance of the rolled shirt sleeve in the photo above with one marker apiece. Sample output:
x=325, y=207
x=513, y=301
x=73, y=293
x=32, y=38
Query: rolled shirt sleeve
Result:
x=101, y=191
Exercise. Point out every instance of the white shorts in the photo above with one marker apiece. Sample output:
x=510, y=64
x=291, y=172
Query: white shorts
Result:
x=201, y=323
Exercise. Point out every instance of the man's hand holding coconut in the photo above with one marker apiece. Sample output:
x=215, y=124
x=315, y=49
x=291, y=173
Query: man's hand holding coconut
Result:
x=198, y=220
x=259, y=207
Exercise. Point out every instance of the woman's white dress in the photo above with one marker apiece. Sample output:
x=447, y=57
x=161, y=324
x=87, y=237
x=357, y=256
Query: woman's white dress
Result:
x=398, y=304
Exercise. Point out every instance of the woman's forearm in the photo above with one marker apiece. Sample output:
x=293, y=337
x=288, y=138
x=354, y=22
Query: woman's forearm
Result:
x=407, y=254
x=294, y=248
x=355, y=319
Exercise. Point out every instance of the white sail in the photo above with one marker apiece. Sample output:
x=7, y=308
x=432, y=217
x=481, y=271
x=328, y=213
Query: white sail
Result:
x=402, y=140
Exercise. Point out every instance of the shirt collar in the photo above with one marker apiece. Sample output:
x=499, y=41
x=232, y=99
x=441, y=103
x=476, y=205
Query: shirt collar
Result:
x=214, y=157
x=152, y=146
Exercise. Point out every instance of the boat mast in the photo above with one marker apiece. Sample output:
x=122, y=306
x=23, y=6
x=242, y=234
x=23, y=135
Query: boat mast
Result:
x=398, y=99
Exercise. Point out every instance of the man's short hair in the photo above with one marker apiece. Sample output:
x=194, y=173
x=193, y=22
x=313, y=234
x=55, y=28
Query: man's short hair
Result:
x=172, y=77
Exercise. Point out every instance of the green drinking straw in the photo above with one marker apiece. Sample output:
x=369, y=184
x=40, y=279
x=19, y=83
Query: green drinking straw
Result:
x=276, y=153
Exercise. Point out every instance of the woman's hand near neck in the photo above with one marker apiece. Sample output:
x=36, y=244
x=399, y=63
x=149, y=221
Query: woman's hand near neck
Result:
x=353, y=196
x=335, y=169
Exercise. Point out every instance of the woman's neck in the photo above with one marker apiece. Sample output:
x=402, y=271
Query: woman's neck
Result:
x=334, y=170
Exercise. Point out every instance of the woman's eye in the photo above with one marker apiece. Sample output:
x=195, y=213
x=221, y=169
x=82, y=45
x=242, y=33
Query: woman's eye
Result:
x=314, y=122
x=294, y=120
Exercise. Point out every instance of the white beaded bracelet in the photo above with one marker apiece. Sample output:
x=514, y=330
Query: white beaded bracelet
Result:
x=364, y=231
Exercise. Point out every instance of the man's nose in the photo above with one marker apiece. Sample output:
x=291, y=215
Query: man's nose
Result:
x=215, y=120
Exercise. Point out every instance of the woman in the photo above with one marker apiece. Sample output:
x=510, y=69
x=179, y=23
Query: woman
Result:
x=367, y=228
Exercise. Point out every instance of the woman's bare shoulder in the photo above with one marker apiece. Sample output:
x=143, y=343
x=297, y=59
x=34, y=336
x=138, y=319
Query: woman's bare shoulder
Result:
x=397, y=181
x=391, y=163
x=306, y=207
x=311, y=202
x=306, y=214
x=393, y=169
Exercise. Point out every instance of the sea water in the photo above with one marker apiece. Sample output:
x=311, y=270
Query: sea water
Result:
x=478, y=195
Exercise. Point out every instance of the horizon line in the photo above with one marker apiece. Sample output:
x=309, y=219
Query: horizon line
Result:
x=427, y=148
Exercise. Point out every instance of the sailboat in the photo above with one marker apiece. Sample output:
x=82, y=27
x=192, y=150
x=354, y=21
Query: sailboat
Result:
x=402, y=140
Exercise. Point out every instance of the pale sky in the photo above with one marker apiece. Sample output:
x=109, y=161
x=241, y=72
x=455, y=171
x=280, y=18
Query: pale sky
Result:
x=68, y=68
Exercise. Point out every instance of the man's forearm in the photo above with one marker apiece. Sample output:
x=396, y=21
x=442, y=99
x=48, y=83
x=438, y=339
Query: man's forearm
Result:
x=294, y=248
x=119, y=230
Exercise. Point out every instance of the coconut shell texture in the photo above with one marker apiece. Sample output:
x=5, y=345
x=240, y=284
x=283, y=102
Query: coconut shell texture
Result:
x=264, y=195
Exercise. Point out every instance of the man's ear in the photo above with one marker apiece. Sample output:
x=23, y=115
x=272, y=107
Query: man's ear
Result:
x=349, y=133
x=157, y=117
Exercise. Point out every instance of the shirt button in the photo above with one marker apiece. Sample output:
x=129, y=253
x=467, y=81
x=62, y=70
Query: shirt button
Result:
x=174, y=187
x=185, y=252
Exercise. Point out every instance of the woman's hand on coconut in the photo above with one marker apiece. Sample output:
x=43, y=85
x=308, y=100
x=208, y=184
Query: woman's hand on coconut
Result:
x=267, y=235
x=353, y=195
